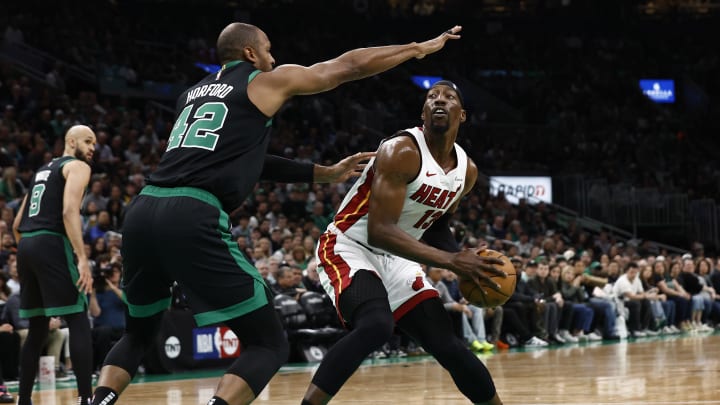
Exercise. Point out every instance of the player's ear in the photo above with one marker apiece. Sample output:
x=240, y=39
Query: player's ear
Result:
x=463, y=116
x=249, y=54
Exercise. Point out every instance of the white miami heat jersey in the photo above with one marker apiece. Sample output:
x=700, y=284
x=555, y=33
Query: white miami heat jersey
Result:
x=428, y=196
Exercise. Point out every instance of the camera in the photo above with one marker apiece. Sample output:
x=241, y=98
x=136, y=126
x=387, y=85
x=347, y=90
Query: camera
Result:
x=102, y=271
x=99, y=274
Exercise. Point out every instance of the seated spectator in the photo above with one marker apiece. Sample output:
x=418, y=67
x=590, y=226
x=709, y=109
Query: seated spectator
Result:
x=102, y=226
x=57, y=334
x=663, y=309
x=299, y=258
x=558, y=316
x=310, y=280
x=692, y=283
x=473, y=322
x=630, y=289
x=575, y=296
x=528, y=309
x=14, y=281
x=107, y=309
x=9, y=360
x=287, y=283
x=712, y=298
x=264, y=269
x=666, y=280
x=5, y=290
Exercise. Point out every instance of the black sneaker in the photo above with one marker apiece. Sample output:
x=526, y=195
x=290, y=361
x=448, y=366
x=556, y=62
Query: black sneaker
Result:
x=5, y=397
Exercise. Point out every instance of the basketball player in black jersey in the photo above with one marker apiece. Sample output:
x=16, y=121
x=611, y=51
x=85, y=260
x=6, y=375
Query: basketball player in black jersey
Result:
x=178, y=228
x=49, y=229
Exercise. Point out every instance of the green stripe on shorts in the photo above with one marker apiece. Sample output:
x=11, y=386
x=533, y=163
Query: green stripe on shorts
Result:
x=81, y=303
x=258, y=300
x=145, y=311
x=192, y=192
x=259, y=297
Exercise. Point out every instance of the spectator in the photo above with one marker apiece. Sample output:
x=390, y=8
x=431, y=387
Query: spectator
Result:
x=11, y=188
x=57, y=334
x=692, y=283
x=107, y=309
x=556, y=312
x=287, y=283
x=96, y=196
x=529, y=309
x=9, y=350
x=630, y=289
x=311, y=280
x=14, y=282
x=472, y=333
x=575, y=297
x=102, y=226
x=663, y=309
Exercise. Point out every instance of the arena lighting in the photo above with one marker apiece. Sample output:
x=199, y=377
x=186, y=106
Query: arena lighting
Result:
x=425, y=82
x=208, y=67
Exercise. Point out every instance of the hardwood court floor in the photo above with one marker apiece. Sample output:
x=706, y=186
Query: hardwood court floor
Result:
x=657, y=371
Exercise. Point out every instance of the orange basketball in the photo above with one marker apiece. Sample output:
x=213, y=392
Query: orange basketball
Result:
x=475, y=295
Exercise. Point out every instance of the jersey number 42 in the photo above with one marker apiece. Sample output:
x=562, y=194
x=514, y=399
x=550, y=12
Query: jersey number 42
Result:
x=209, y=117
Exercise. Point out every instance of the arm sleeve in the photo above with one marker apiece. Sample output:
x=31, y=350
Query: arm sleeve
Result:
x=439, y=235
x=284, y=170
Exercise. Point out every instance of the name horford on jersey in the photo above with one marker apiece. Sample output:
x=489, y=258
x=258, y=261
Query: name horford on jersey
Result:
x=427, y=197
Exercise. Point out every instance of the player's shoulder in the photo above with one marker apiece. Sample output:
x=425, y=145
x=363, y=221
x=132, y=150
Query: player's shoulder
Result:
x=75, y=165
x=403, y=138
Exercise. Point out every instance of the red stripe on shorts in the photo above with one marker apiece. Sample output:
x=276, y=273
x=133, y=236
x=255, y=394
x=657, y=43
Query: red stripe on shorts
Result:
x=413, y=302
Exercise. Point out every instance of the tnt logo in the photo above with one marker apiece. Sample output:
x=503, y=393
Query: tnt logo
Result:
x=227, y=342
x=172, y=347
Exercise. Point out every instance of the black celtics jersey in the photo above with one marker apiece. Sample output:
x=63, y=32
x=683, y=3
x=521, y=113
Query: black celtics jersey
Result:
x=44, y=205
x=219, y=139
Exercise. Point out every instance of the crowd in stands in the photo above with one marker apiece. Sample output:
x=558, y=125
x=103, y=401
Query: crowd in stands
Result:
x=575, y=285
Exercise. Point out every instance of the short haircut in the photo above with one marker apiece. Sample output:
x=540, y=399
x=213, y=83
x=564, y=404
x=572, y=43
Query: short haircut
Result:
x=233, y=39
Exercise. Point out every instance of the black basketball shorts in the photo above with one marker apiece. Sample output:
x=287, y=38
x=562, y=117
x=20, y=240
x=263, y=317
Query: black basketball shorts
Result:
x=182, y=234
x=47, y=270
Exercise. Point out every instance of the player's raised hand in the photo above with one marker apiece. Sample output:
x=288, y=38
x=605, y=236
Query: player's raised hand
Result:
x=437, y=43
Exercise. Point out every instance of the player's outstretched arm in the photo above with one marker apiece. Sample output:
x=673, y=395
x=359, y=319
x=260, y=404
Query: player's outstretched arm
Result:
x=269, y=90
x=285, y=170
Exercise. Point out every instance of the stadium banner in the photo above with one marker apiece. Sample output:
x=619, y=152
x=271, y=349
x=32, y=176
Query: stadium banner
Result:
x=532, y=188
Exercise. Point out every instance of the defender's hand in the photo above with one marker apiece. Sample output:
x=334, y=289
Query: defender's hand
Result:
x=437, y=43
x=349, y=167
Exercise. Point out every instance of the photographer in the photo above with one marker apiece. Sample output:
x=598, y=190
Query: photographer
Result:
x=107, y=307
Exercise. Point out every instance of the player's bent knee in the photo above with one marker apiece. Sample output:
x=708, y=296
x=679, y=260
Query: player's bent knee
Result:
x=376, y=329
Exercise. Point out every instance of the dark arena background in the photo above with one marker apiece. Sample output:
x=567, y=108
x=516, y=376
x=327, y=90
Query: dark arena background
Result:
x=593, y=124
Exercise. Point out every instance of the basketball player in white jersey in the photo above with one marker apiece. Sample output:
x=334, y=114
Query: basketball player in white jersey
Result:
x=368, y=257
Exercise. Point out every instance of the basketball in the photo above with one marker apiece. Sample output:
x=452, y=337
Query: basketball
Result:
x=493, y=298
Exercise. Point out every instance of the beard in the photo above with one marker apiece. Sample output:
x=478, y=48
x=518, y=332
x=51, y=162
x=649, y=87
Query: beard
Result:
x=438, y=128
x=81, y=156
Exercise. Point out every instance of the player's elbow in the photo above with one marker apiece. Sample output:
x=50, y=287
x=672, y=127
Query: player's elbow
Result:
x=69, y=214
x=377, y=237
